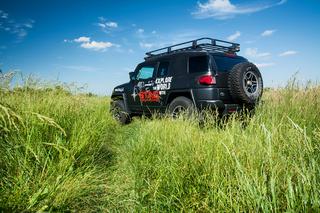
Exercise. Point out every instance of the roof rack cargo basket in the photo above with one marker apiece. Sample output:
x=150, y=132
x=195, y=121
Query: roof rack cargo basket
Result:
x=201, y=44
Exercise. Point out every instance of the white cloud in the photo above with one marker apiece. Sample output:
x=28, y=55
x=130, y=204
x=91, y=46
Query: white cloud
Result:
x=3, y=14
x=96, y=45
x=28, y=25
x=147, y=40
x=102, y=25
x=107, y=26
x=111, y=24
x=140, y=31
x=87, y=43
x=19, y=29
x=268, y=33
x=82, y=39
x=224, y=9
x=145, y=45
x=141, y=35
x=234, y=36
x=253, y=53
x=288, y=53
x=263, y=65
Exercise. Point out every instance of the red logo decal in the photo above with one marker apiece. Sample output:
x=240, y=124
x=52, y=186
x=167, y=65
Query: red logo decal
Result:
x=149, y=96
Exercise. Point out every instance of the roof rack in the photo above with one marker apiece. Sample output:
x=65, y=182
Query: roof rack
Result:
x=202, y=44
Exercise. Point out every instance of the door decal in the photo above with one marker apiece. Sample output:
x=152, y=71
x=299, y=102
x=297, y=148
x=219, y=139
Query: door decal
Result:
x=152, y=90
x=149, y=96
x=163, y=83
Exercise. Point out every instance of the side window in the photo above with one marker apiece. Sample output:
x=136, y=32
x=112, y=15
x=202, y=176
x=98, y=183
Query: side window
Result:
x=145, y=72
x=178, y=66
x=198, y=64
x=163, y=69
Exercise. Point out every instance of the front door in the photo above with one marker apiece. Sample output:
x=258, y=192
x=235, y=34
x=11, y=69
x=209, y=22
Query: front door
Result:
x=142, y=87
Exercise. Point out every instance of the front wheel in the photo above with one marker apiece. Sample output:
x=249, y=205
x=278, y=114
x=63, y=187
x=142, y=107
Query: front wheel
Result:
x=119, y=112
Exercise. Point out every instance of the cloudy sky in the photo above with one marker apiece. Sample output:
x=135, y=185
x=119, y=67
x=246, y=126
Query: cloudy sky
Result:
x=98, y=42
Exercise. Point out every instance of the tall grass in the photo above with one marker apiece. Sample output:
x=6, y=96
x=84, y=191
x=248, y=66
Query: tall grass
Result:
x=61, y=152
x=54, y=150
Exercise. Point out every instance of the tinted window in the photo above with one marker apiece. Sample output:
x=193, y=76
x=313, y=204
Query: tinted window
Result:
x=145, y=72
x=225, y=64
x=198, y=64
x=163, y=69
x=178, y=66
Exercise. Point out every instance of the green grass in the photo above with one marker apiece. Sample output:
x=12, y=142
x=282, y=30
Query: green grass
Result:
x=63, y=152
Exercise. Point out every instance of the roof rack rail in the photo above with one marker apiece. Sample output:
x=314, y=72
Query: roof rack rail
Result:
x=204, y=44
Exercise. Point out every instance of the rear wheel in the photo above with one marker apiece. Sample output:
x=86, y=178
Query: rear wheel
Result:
x=119, y=112
x=181, y=106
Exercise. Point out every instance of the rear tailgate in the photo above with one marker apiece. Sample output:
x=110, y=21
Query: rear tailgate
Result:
x=223, y=64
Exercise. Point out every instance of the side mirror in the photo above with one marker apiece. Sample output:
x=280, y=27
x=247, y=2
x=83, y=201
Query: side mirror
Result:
x=132, y=76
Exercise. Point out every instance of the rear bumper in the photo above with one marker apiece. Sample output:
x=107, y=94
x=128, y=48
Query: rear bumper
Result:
x=218, y=105
x=215, y=99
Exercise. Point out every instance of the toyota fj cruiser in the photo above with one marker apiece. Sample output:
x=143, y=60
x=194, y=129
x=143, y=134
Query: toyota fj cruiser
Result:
x=199, y=74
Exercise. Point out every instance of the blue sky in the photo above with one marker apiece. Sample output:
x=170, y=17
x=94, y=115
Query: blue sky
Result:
x=98, y=42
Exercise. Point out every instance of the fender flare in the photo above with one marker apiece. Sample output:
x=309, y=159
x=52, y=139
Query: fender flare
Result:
x=121, y=96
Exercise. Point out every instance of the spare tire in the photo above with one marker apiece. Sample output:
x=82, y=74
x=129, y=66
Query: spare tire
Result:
x=245, y=83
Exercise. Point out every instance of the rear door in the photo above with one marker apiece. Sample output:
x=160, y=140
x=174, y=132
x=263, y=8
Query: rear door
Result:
x=162, y=84
x=223, y=64
x=155, y=91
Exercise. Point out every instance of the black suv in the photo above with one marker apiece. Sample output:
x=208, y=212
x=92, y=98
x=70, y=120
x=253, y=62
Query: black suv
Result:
x=203, y=73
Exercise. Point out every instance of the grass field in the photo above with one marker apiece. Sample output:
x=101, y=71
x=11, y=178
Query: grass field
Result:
x=63, y=152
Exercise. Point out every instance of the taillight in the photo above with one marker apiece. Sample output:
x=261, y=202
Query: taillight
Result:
x=207, y=80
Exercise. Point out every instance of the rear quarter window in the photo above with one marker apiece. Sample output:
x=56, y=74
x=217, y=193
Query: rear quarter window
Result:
x=198, y=64
x=178, y=66
x=225, y=64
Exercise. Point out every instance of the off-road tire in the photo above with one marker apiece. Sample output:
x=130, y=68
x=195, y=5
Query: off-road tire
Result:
x=182, y=102
x=237, y=84
x=119, y=112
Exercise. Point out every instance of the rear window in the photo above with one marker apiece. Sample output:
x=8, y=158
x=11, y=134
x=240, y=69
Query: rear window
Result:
x=225, y=64
x=198, y=64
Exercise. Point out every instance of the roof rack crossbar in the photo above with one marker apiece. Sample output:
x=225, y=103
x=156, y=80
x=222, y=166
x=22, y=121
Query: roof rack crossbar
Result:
x=214, y=45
